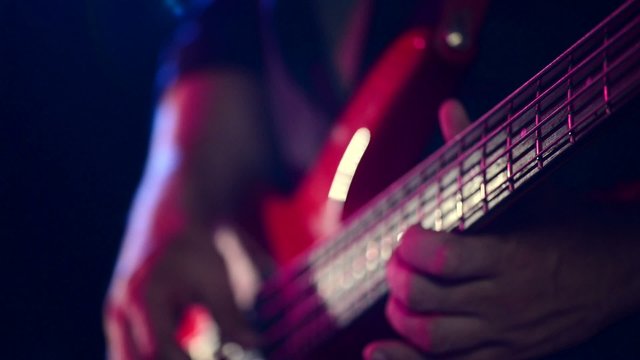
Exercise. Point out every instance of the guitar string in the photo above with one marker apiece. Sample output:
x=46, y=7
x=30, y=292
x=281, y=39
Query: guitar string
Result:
x=312, y=314
x=594, y=82
x=491, y=136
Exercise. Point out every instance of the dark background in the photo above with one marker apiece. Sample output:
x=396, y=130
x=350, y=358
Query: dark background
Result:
x=76, y=100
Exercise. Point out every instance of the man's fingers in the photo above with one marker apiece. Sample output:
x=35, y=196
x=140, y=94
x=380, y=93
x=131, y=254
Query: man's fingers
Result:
x=134, y=334
x=419, y=293
x=449, y=256
x=120, y=339
x=453, y=118
x=153, y=324
x=436, y=333
x=390, y=350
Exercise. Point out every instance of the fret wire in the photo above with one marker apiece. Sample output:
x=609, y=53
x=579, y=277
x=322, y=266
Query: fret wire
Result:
x=479, y=207
x=418, y=197
x=484, y=143
x=538, y=132
x=483, y=167
x=569, y=107
x=509, y=129
x=437, y=223
x=459, y=184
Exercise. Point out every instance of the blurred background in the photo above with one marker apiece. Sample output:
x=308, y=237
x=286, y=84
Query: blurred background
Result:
x=76, y=99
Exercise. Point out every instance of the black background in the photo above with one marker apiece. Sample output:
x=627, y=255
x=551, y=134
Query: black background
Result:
x=76, y=100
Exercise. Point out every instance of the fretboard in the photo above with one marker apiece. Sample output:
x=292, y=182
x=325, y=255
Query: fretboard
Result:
x=460, y=184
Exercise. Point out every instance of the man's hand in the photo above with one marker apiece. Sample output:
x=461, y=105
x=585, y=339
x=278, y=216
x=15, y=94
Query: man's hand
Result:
x=207, y=146
x=144, y=307
x=524, y=291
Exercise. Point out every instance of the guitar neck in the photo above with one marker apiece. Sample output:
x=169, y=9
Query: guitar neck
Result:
x=460, y=184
